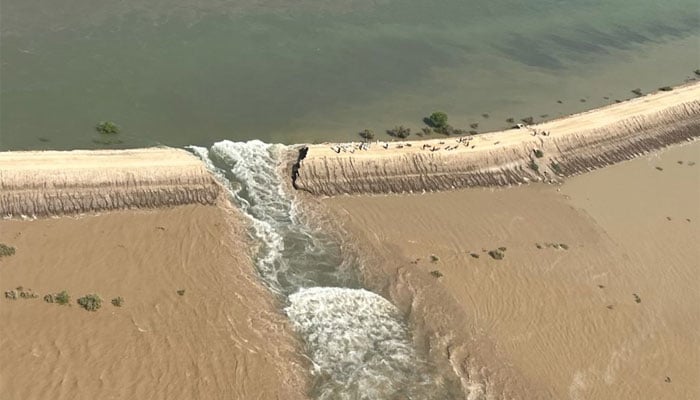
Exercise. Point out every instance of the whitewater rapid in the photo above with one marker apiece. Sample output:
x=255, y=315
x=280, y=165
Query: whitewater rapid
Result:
x=357, y=340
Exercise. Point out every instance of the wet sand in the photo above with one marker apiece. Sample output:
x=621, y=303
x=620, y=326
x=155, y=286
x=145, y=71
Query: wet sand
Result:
x=223, y=339
x=614, y=316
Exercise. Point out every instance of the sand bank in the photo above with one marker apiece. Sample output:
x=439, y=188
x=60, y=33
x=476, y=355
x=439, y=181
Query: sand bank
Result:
x=572, y=145
x=613, y=316
x=67, y=182
x=223, y=339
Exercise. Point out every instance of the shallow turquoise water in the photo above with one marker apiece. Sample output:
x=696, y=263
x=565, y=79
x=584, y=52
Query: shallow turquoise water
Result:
x=186, y=72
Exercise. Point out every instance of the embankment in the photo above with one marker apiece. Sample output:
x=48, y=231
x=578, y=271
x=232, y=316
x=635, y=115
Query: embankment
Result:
x=565, y=147
x=70, y=182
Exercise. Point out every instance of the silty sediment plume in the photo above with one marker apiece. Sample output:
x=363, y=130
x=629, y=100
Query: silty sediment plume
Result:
x=568, y=146
x=70, y=182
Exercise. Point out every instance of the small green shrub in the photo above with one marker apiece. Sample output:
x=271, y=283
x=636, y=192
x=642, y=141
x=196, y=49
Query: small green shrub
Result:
x=436, y=274
x=510, y=120
x=434, y=258
x=11, y=294
x=665, y=88
x=90, y=302
x=697, y=72
x=438, y=119
x=564, y=246
x=538, y=153
x=181, y=292
x=474, y=255
x=118, y=301
x=399, y=132
x=637, y=91
x=107, y=128
x=6, y=251
x=528, y=120
x=502, y=248
x=474, y=125
x=62, y=298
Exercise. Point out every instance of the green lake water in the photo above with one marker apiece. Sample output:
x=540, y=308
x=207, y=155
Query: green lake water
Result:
x=184, y=72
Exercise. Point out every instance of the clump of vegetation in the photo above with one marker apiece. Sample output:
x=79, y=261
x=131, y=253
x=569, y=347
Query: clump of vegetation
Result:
x=637, y=299
x=436, y=274
x=474, y=255
x=181, y=292
x=107, y=141
x=107, y=128
x=665, y=88
x=61, y=298
x=6, y=251
x=438, y=119
x=637, y=92
x=11, y=294
x=474, y=125
x=543, y=116
x=697, y=72
x=528, y=120
x=26, y=293
x=485, y=115
x=90, y=302
x=366, y=134
x=582, y=100
x=427, y=131
x=538, y=153
x=118, y=301
x=399, y=132
x=497, y=254
x=556, y=167
x=434, y=258
x=502, y=248
x=564, y=246
x=533, y=166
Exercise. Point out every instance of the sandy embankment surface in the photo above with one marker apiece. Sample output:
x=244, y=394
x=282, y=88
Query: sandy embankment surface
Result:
x=223, y=339
x=68, y=182
x=573, y=145
x=615, y=316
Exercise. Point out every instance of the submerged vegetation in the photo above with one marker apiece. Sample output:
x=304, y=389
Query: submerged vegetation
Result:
x=399, y=132
x=118, y=301
x=6, y=251
x=90, y=302
x=61, y=298
x=107, y=128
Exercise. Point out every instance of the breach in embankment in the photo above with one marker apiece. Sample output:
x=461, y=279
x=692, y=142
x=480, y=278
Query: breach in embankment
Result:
x=67, y=182
x=543, y=152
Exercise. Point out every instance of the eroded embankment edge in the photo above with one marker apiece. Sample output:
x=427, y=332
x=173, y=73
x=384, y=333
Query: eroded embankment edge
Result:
x=577, y=151
x=73, y=182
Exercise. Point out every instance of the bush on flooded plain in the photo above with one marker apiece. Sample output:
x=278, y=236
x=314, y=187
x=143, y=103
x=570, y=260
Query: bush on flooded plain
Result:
x=438, y=119
x=90, y=302
x=6, y=251
x=399, y=132
x=107, y=128
x=436, y=274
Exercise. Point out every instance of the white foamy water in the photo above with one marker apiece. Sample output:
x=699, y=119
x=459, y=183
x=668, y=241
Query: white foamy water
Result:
x=359, y=346
x=357, y=340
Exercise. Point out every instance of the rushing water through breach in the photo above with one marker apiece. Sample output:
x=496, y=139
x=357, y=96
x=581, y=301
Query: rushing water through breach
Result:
x=357, y=340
